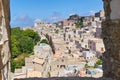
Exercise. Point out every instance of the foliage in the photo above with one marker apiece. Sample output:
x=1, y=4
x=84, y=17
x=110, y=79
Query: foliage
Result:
x=22, y=42
x=26, y=44
x=16, y=31
x=30, y=33
x=12, y=65
x=49, y=75
x=15, y=46
x=16, y=64
x=44, y=41
x=87, y=66
x=79, y=23
x=19, y=61
x=99, y=62
x=96, y=65
x=57, y=31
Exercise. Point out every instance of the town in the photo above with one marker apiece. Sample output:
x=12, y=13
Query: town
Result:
x=75, y=48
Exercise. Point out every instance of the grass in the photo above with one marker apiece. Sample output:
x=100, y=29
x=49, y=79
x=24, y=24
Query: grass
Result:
x=22, y=56
x=19, y=61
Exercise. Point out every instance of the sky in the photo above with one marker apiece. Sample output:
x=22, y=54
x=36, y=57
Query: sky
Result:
x=26, y=12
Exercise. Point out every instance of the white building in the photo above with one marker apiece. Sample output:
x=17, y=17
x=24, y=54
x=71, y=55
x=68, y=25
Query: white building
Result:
x=88, y=54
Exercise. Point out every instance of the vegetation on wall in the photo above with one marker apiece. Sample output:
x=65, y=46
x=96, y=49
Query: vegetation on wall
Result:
x=79, y=23
x=44, y=41
x=56, y=31
x=99, y=62
x=22, y=44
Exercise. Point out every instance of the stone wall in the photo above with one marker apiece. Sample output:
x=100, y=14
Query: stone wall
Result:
x=4, y=40
x=111, y=37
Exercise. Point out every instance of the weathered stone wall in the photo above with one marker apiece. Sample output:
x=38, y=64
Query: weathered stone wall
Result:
x=111, y=37
x=111, y=58
x=4, y=40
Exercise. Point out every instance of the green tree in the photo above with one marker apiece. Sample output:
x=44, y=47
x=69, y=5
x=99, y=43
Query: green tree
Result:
x=15, y=46
x=26, y=44
x=99, y=62
x=57, y=31
x=79, y=23
x=19, y=63
x=17, y=32
x=13, y=64
x=44, y=41
x=32, y=34
x=22, y=43
x=87, y=66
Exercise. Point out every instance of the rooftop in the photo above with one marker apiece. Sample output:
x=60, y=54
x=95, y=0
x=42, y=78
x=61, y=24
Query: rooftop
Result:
x=39, y=61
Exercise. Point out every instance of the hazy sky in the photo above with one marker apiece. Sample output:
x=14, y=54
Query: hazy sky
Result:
x=25, y=12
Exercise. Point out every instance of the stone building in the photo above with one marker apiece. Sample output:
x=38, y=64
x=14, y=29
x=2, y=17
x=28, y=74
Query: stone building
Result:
x=98, y=33
x=4, y=40
x=88, y=54
x=101, y=14
x=74, y=17
x=42, y=25
x=96, y=44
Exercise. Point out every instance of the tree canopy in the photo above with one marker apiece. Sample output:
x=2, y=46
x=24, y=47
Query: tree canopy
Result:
x=79, y=23
x=32, y=34
x=22, y=42
x=45, y=41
